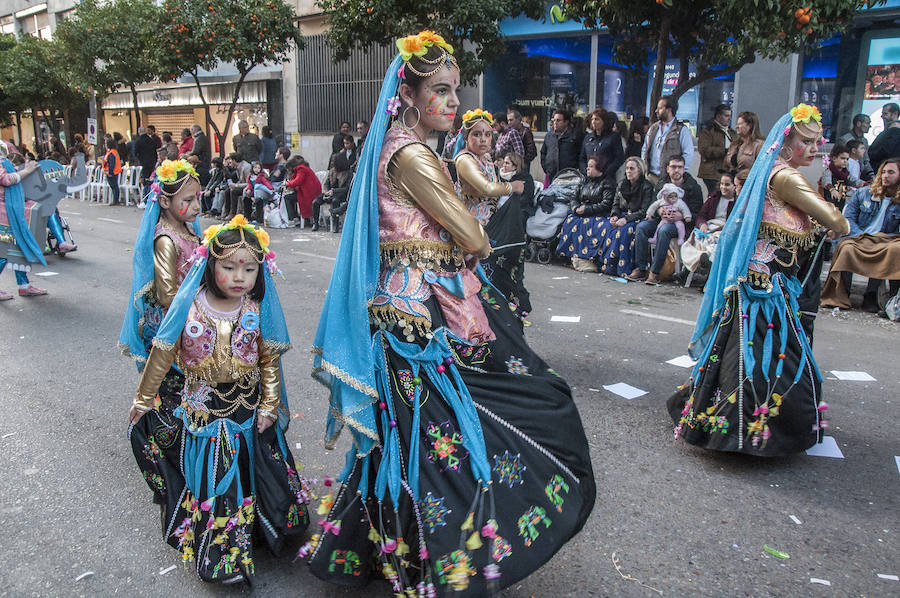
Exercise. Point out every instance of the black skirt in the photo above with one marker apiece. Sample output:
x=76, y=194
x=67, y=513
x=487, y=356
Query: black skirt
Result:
x=213, y=503
x=455, y=533
x=505, y=267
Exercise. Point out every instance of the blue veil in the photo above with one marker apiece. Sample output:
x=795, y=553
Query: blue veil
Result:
x=130, y=341
x=737, y=241
x=271, y=322
x=344, y=360
x=14, y=197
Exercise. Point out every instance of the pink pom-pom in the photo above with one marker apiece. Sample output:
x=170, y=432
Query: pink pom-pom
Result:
x=823, y=406
x=247, y=501
x=328, y=481
x=766, y=434
x=764, y=409
x=423, y=554
x=489, y=531
x=756, y=412
x=401, y=72
x=211, y=523
x=389, y=546
x=206, y=505
x=270, y=255
x=787, y=130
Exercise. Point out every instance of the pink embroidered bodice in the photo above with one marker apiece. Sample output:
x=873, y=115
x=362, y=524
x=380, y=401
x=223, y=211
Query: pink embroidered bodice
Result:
x=202, y=357
x=781, y=221
x=184, y=245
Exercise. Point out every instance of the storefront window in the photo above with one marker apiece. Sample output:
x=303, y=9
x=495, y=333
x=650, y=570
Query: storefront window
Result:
x=819, y=81
x=539, y=76
x=619, y=89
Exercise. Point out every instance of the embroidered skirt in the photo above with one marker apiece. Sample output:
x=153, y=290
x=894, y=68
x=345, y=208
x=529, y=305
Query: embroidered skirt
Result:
x=505, y=267
x=483, y=467
x=220, y=482
x=612, y=248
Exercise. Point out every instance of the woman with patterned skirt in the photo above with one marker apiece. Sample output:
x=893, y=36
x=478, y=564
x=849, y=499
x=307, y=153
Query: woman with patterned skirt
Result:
x=756, y=388
x=469, y=467
x=481, y=188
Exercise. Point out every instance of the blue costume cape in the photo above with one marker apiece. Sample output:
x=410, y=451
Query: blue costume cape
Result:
x=14, y=197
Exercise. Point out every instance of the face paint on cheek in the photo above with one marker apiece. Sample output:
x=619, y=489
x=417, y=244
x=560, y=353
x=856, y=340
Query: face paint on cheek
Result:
x=433, y=105
x=184, y=209
x=221, y=278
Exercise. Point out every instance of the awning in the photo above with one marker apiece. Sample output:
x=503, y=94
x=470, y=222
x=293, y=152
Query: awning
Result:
x=252, y=92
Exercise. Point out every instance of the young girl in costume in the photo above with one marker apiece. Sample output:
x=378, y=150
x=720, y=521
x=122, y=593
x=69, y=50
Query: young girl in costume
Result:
x=480, y=188
x=469, y=467
x=166, y=240
x=225, y=473
x=756, y=388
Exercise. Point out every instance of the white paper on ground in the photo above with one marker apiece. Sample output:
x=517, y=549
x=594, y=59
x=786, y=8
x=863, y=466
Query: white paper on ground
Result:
x=854, y=376
x=828, y=448
x=301, y=240
x=560, y=278
x=625, y=390
x=897, y=459
x=573, y=319
x=795, y=520
x=590, y=389
x=682, y=361
x=890, y=577
x=166, y=570
x=48, y=273
x=823, y=582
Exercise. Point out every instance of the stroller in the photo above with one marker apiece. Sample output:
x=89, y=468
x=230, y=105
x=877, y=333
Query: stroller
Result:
x=275, y=212
x=542, y=229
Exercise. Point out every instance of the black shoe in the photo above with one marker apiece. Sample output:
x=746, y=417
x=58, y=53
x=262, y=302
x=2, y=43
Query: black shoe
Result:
x=870, y=303
x=315, y=227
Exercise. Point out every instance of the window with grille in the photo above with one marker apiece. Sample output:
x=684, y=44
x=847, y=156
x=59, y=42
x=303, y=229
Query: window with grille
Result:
x=330, y=92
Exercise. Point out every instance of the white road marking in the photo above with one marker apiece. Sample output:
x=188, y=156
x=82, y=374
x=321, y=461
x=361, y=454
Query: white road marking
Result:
x=111, y=220
x=646, y=314
x=572, y=319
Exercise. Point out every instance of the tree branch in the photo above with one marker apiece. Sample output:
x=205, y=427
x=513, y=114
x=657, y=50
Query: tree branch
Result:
x=705, y=74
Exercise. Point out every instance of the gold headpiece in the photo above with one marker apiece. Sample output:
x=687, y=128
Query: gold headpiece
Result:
x=417, y=45
x=168, y=172
x=239, y=223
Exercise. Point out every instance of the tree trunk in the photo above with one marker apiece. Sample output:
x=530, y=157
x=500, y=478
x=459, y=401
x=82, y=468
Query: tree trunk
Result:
x=662, y=53
x=137, y=110
x=219, y=137
x=19, y=126
x=38, y=141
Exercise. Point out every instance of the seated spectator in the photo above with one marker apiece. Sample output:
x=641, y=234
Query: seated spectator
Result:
x=234, y=203
x=579, y=238
x=345, y=159
x=338, y=178
x=857, y=151
x=513, y=168
x=615, y=234
x=693, y=197
x=306, y=187
x=872, y=248
x=837, y=182
x=671, y=209
x=279, y=171
x=697, y=252
x=260, y=189
x=214, y=189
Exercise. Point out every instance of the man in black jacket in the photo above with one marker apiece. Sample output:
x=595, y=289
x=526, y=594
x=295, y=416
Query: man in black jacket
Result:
x=693, y=197
x=145, y=152
x=886, y=145
x=561, y=146
x=203, y=152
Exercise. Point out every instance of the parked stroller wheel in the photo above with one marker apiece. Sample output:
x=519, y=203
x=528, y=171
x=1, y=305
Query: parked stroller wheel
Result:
x=543, y=255
x=530, y=252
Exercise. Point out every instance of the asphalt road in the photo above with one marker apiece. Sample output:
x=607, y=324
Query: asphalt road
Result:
x=679, y=520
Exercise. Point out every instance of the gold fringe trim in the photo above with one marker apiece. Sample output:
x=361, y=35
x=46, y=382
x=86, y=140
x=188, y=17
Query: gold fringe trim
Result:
x=786, y=238
x=345, y=377
x=7, y=238
x=356, y=425
x=420, y=253
x=759, y=279
x=388, y=315
x=162, y=345
x=277, y=348
x=126, y=351
x=205, y=371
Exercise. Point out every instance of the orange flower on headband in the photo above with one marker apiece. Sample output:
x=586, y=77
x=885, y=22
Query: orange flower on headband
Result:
x=411, y=45
x=430, y=38
x=805, y=112
x=476, y=114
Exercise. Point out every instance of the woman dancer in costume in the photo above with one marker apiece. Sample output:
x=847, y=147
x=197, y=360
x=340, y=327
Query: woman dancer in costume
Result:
x=469, y=467
x=225, y=473
x=480, y=188
x=756, y=388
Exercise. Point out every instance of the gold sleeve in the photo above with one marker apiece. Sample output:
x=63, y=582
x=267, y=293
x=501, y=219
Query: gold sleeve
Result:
x=165, y=270
x=469, y=172
x=269, y=382
x=158, y=364
x=790, y=187
x=416, y=172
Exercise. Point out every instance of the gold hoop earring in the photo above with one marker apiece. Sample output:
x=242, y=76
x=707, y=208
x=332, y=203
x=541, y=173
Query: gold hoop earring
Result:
x=418, y=117
x=783, y=150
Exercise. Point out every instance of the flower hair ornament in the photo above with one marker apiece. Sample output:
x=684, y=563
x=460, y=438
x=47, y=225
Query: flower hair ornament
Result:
x=262, y=254
x=418, y=45
x=800, y=114
x=472, y=116
x=168, y=172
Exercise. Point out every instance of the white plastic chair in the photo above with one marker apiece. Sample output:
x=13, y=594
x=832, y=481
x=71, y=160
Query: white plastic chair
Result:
x=129, y=182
